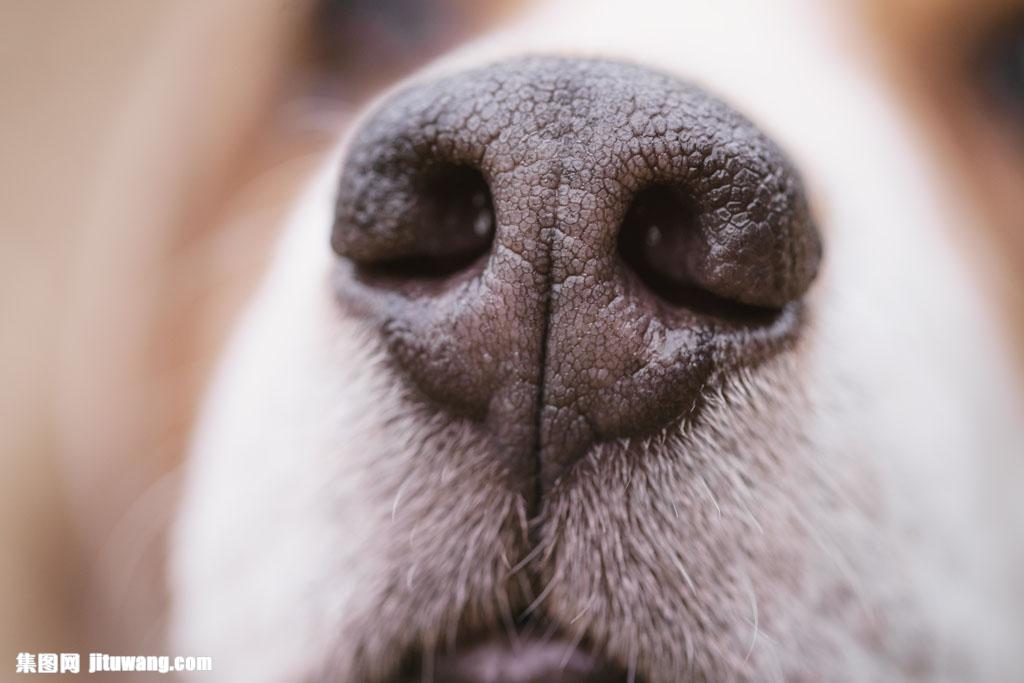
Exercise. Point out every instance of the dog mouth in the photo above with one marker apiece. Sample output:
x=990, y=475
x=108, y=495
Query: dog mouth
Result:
x=527, y=657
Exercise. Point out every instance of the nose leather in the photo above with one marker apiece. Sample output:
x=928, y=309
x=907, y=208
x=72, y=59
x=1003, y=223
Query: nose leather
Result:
x=550, y=337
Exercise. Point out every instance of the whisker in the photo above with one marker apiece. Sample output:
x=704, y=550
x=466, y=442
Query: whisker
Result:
x=540, y=598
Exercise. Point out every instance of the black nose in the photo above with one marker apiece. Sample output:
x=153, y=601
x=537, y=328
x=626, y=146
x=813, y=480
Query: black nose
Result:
x=570, y=251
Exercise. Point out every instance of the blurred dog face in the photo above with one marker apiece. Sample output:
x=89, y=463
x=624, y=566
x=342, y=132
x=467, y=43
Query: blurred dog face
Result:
x=628, y=344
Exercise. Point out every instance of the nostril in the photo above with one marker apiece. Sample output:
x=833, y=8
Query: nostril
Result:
x=436, y=222
x=655, y=237
x=660, y=241
x=453, y=215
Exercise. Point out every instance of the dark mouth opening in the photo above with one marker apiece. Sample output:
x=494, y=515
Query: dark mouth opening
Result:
x=534, y=654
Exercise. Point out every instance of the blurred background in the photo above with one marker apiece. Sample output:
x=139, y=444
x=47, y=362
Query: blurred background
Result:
x=142, y=142
x=139, y=140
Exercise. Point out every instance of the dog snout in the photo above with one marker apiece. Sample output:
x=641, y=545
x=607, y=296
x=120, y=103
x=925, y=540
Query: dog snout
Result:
x=568, y=252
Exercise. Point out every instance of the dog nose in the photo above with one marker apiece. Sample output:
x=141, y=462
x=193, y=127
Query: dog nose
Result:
x=569, y=252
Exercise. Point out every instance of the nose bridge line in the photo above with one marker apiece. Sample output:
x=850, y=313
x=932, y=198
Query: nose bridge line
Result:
x=547, y=239
x=538, y=413
x=547, y=242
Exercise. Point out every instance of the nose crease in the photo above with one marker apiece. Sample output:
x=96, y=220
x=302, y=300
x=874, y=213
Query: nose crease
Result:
x=577, y=327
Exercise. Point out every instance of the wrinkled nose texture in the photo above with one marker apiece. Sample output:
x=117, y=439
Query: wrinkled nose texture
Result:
x=569, y=251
